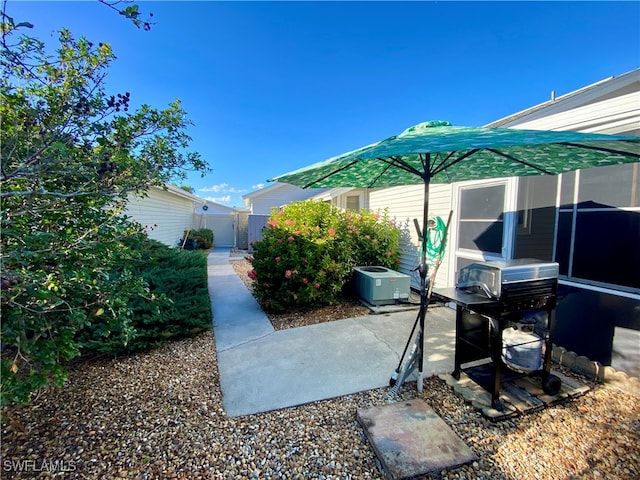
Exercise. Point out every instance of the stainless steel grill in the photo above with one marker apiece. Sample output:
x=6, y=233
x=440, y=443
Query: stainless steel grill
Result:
x=517, y=285
x=491, y=298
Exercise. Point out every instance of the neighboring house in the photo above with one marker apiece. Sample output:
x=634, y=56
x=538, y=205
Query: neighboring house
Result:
x=165, y=213
x=588, y=221
x=262, y=202
x=354, y=199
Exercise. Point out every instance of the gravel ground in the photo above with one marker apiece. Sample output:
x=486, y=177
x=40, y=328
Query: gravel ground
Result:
x=159, y=415
x=351, y=308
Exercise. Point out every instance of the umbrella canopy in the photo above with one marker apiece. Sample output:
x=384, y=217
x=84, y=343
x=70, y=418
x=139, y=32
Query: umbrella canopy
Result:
x=437, y=152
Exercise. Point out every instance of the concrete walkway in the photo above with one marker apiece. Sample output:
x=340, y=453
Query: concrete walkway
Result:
x=262, y=369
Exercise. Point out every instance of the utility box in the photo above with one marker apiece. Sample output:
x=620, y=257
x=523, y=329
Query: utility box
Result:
x=381, y=285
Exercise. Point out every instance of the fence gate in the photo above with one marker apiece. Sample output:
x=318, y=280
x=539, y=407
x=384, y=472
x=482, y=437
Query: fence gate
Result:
x=257, y=224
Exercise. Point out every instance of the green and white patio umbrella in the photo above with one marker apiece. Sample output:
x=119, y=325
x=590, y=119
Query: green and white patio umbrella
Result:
x=437, y=152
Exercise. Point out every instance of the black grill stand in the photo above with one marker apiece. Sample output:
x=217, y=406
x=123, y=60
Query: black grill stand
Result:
x=480, y=323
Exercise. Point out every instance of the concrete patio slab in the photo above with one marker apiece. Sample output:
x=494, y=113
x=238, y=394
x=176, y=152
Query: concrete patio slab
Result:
x=302, y=365
x=262, y=369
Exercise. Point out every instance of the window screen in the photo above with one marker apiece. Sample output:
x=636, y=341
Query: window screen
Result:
x=563, y=242
x=353, y=203
x=619, y=190
x=607, y=226
x=486, y=203
x=606, y=247
x=566, y=189
x=481, y=213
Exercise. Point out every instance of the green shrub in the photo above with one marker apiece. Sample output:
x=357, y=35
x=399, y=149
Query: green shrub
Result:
x=177, y=302
x=307, y=254
x=71, y=155
x=202, y=237
x=56, y=293
x=373, y=239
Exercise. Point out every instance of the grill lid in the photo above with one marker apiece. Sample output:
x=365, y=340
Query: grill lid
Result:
x=493, y=276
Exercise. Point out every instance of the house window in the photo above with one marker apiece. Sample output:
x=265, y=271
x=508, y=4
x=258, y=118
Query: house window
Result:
x=353, y=202
x=481, y=218
x=599, y=226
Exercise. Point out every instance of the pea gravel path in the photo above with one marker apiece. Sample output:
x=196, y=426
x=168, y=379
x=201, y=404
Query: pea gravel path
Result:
x=159, y=415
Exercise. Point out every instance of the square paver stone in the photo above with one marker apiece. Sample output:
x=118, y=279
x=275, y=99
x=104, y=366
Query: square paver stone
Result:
x=410, y=440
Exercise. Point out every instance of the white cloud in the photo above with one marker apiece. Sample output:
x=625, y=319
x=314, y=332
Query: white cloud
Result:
x=222, y=200
x=222, y=188
x=215, y=188
x=257, y=186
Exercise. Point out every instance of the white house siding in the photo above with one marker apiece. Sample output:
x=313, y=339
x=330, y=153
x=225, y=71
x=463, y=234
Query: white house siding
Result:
x=611, y=106
x=163, y=214
x=214, y=209
x=263, y=201
x=613, y=115
x=339, y=197
x=405, y=203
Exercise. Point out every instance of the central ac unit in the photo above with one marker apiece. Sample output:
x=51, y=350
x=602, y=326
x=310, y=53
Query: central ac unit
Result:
x=381, y=285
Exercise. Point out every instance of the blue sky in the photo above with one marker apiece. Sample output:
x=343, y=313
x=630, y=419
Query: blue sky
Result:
x=275, y=86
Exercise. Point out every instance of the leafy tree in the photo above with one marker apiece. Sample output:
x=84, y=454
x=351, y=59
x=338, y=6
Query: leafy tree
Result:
x=130, y=11
x=71, y=155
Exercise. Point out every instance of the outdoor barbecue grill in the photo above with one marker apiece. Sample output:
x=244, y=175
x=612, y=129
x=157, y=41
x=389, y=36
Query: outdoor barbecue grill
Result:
x=505, y=311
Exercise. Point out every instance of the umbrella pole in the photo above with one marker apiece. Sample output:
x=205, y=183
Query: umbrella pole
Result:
x=423, y=269
x=401, y=373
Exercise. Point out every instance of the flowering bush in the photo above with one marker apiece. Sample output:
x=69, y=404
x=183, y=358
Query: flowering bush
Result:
x=373, y=239
x=309, y=249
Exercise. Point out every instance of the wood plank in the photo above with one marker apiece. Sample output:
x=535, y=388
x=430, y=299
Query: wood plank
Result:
x=569, y=388
x=521, y=400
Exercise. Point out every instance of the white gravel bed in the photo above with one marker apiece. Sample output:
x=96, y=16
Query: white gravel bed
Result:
x=159, y=415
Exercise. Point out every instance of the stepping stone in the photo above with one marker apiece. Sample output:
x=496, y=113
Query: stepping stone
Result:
x=410, y=440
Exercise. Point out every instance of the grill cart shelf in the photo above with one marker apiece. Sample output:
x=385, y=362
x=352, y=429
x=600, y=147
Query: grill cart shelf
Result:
x=481, y=322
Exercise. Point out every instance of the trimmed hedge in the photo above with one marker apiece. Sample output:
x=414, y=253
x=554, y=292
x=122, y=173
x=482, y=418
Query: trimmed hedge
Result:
x=177, y=302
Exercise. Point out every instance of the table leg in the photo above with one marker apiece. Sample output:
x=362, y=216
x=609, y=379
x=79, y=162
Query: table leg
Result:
x=457, y=361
